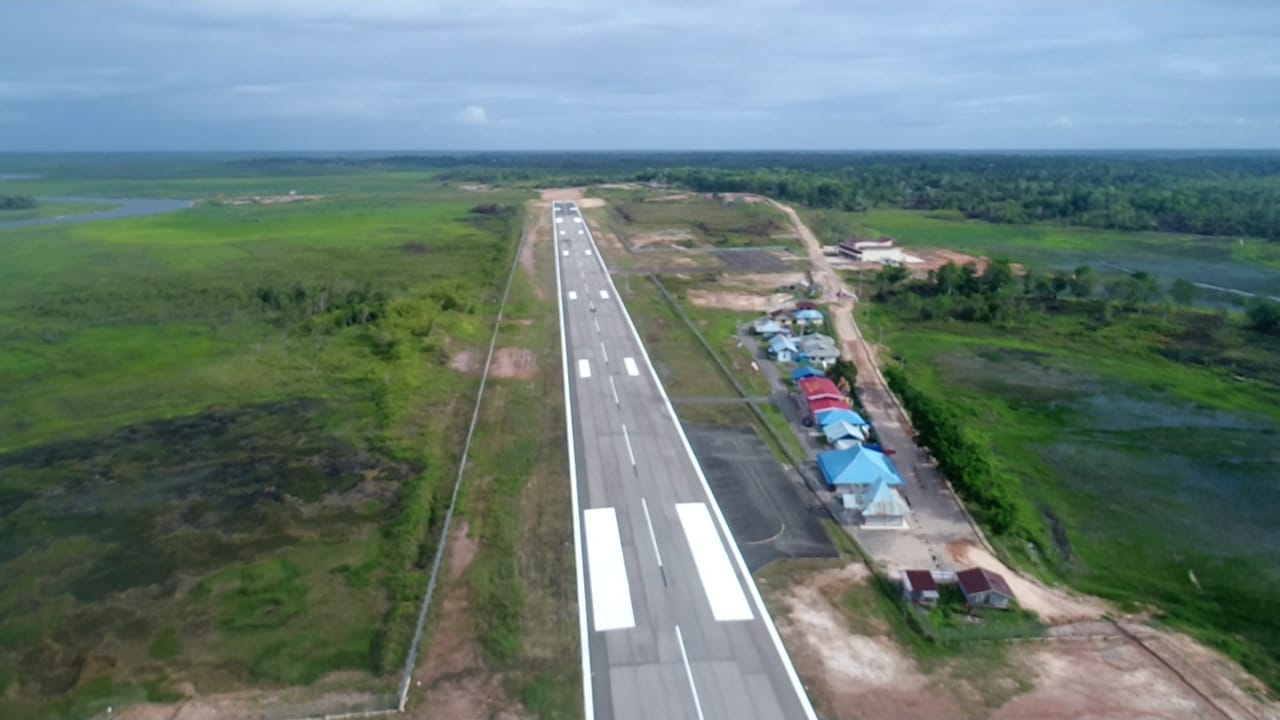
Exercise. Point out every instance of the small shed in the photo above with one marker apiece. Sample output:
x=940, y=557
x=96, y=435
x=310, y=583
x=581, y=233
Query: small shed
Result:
x=842, y=415
x=984, y=588
x=883, y=507
x=919, y=587
x=818, y=349
x=844, y=435
x=767, y=327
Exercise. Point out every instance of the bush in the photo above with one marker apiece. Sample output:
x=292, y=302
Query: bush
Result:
x=968, y=464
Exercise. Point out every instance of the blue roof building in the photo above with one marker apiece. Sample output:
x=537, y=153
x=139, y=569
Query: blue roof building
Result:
x=841, y=415
x=809, y=317
x=857, y=466
x=782, y=348
x=805, y=372
x=767, y=327
x=843, y=434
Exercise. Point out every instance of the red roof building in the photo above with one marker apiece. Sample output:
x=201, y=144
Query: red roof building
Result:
x=983, y=588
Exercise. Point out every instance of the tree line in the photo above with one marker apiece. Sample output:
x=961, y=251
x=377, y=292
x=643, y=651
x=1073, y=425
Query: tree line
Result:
x=18, y=202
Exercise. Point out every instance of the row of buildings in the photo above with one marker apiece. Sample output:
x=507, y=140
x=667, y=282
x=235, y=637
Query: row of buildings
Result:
x=981, y=588
x=785, y=345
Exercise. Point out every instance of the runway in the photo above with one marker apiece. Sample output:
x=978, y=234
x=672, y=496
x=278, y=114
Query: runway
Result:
x=672, y=623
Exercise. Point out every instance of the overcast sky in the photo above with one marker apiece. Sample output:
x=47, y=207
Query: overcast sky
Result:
x=637, y=74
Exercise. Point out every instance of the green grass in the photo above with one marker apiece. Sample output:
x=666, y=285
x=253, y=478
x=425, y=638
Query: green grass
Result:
x=697, y=221
x=225, y=433
x=1147, y=443
x=1248, y=264
x=49, y=210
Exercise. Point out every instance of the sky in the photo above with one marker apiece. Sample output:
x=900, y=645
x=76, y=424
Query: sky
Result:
x=324, y=75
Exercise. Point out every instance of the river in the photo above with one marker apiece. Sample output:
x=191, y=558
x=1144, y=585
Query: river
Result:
x=126, y=207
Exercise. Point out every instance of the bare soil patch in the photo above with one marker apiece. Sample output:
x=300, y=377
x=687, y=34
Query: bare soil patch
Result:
x=465, y=361
x=514, y=364
x=475, y=187
x=462, y=548
x=533, y=234
x=1053, y=605
x=745, y=302
x=670, y=198
x=661, y=238
x=1111, y=679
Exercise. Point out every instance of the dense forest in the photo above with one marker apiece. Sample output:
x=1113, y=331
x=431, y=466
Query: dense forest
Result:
x=1199, y=193
x=17, y=202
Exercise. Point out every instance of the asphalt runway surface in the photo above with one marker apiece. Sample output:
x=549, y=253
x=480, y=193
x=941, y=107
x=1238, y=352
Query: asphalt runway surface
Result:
x=672, y=623
x=771, y=516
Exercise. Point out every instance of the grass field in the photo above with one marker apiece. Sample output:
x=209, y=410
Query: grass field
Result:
x=48, y=210
x=1148, y=443
x=1247, y=264
x=225, y=432
x=694, y=221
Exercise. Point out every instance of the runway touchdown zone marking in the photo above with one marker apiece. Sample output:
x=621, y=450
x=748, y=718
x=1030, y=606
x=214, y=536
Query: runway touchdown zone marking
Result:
x=721, y=585
x=630, y=364
x=610, y=591
x=584, y=368
x=604, y=294
x=573, y=295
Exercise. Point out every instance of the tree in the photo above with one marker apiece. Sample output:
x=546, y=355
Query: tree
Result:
x=998, y=276
x=1083, y=281
x=947, y=278
x=893, y=274
x=1183, y=291
x=1264, y=315
x=1060, y=283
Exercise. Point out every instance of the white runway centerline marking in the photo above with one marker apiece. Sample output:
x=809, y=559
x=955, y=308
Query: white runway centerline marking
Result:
x=584, y=368
x=573, y=295
x=719, y=582
x=605, y=353
x=688, y=672
x=652, y=536
x=610, y=591
x=596, y=320
x=614, y=388
x=626, y=438
x=604, y=294
x=632, y=370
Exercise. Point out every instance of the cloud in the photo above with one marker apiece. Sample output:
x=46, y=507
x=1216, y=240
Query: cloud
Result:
x=1062, y=121
x=473, y=115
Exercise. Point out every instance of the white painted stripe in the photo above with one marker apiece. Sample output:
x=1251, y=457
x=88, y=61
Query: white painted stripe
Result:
x=588, y=692
x=596, y=320
x=565, y=253
x=614, y=388
x=605, y=353
x=607, y=570
x=718, y=579
x=741, y=564
x=559, y=219
x=688, y=672
x=588, y=251
x=626, y=438
x=604, y=294
x=632, y=370
x=573, y=295
x=652, y=536
x=584, y=368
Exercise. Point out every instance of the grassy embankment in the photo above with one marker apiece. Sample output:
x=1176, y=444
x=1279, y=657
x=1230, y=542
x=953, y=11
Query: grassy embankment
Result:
x=1144, y=443
x=695, y=221
x=516, y=501
x=49, y=210
x=227, y=434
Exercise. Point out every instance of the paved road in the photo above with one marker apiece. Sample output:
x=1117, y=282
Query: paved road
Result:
x=672, y=623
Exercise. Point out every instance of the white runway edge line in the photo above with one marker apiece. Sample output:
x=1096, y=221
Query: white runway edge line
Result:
x=688, y=672
x=630, y=364
x=706, y=487
x=610, y=591
x=588, y=692
x=718, y=580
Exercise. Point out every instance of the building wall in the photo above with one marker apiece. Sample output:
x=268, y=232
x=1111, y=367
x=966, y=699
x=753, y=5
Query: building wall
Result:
x=988, y=599
x=882, y=521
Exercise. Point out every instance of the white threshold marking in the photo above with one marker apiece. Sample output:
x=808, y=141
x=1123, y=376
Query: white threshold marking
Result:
x=632, y=370
x=688, y=672
x=588, y=251
x=584, y=368
x=613, y=386
x=573, y=295
x=721, y=585
x=610, y=591
x=605, y=353
x=626, y=438
x=604, y=294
